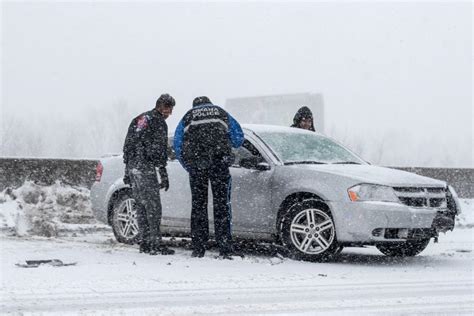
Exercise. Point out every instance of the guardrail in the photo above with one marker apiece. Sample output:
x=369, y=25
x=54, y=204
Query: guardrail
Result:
x=81, y=172
x=462, y=179
x=14, y=171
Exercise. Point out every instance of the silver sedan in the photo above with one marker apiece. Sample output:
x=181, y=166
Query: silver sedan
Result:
x=302, y=190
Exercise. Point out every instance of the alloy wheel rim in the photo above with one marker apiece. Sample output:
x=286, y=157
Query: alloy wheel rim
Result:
x=312, y=231
x=127, y=219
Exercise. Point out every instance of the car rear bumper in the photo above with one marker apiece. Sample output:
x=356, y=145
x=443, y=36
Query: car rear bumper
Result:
x=372, y=222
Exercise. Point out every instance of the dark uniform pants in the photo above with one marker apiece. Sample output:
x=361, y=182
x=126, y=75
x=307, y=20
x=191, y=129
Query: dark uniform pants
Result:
x=219, y=176
x=146, y=192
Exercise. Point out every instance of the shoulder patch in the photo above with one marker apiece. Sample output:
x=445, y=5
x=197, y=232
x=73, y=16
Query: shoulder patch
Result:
x=142, y=123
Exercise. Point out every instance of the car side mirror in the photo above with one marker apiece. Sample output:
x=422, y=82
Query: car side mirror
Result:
x=263, y=166
x=254, y=163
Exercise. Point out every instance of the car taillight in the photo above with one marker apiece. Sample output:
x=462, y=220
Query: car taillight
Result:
x=98, y=171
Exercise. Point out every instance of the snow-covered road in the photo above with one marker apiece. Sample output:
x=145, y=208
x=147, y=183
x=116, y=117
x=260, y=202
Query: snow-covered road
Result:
x=110, y=278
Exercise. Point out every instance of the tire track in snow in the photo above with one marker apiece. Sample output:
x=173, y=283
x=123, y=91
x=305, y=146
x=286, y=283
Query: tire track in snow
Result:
x=419, y=297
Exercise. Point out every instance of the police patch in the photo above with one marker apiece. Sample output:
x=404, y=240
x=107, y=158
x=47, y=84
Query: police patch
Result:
x=142, y=123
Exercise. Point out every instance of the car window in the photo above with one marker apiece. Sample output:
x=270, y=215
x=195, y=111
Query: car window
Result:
x=300, y=147
x=247, y=150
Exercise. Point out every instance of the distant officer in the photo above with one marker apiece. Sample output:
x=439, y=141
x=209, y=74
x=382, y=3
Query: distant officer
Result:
x=144, y=151
x=304, y=119
x=203, y=144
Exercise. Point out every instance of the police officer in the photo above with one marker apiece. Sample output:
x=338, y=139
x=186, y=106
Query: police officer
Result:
x=144, y=151
x=203, y=144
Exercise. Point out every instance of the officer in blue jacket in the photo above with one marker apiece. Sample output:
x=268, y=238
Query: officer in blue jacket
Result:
x=203, y=144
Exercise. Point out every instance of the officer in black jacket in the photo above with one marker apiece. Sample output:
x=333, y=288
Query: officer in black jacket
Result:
x=203, y=144
x=144, y=151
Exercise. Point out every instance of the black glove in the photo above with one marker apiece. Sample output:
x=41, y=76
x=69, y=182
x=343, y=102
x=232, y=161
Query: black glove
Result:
x=229, y=160
x=164, y=182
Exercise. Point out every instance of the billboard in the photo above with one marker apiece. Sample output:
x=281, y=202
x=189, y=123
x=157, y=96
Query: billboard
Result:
x=276, y=109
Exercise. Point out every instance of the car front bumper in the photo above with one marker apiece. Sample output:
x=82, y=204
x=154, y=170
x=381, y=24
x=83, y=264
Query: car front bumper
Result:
x=372, y=222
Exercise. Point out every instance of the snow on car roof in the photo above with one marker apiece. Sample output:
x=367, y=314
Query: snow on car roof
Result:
x=260, y=128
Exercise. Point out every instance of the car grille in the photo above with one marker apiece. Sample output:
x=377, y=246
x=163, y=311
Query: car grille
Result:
x=422, y=197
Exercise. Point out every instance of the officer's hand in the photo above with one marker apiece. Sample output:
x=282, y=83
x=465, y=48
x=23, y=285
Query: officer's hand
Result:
x=126, y=179
x=229, y=160
x=164, y=182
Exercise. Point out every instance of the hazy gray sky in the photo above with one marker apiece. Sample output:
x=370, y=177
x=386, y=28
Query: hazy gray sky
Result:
x=382, y=67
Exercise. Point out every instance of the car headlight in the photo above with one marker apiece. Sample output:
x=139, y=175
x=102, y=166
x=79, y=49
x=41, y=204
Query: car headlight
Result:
x=372, y=192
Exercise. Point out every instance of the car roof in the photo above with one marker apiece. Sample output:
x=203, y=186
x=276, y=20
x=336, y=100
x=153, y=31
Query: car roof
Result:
x=260, y=128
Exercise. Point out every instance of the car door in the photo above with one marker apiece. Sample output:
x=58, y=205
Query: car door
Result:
x=176, y=201
x=251, y=193
x=250, y=199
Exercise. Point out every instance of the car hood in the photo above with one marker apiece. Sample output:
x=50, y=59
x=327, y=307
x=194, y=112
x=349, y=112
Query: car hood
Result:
x=376, y=175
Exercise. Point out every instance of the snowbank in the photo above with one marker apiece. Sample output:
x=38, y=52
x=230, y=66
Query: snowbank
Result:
x=48, y=211
x=466, y=219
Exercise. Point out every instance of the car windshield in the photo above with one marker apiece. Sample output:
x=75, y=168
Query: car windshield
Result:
x=308, y=148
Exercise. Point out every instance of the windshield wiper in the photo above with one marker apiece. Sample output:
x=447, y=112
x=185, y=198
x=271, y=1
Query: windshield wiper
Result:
x=303, y=162
x=346, y=163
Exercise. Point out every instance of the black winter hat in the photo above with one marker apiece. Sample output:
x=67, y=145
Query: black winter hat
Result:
x=303, y=113
x=166, y=100
x=201, y=100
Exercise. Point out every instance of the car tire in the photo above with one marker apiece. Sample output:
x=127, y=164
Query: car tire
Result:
x=408, y=248
x=124, y=219
x=308, y=231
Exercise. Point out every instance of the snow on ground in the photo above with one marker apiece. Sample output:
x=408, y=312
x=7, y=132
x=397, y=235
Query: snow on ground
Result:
x=111, y=278
x=466, y=218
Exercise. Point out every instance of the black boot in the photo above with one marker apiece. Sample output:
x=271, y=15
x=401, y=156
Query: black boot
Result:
x=226, y=253
x=225, y=256
x=198, y=253
x=161, y=250
x=166, y=251
x=144, y=247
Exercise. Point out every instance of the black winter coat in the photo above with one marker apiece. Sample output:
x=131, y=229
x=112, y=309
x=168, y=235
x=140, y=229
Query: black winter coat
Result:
x=146, y=144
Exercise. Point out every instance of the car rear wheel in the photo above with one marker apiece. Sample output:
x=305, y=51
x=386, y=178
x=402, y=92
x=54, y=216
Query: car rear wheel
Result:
x=307, y=230
x=408, y=248
x=124, y=219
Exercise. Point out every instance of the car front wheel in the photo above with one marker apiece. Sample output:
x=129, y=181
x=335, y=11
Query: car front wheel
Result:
x=308, y=231
x=124, y=219
x=408, y=248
